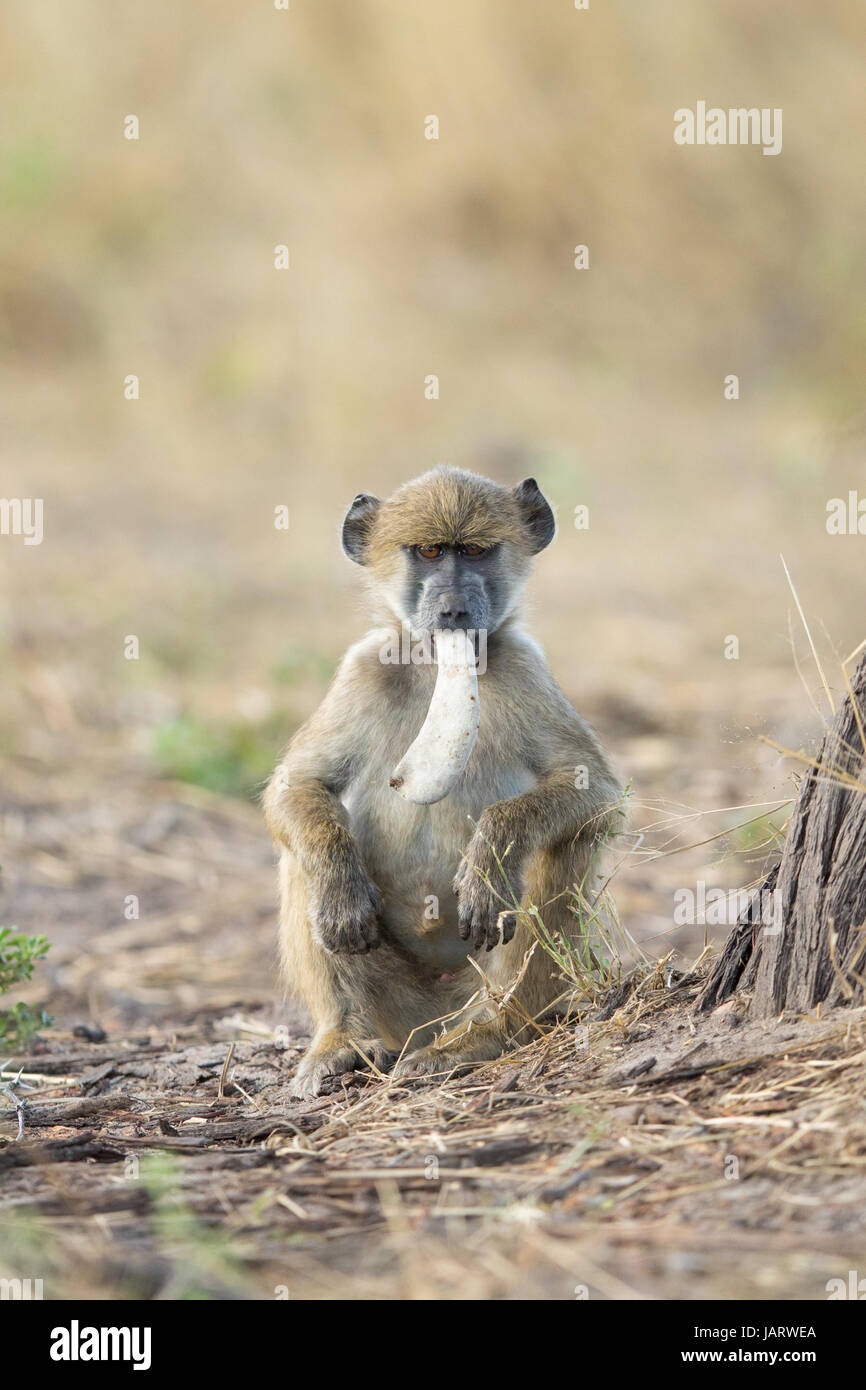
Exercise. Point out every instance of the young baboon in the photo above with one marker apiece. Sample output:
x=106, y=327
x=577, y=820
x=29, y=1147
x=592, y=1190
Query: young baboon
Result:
x=375, y=927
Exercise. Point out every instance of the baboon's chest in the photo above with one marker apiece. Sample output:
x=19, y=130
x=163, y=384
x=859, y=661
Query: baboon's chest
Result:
x=413, y=852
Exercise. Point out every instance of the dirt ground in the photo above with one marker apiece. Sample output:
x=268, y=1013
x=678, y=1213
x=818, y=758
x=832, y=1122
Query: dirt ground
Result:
x=634, y=1151
x=159, y=1161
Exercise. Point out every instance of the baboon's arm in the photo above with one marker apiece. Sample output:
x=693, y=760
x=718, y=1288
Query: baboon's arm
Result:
x=305, y=815
x=576, y=798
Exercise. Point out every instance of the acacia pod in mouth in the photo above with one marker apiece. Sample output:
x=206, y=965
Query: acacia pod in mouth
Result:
x=431, y=767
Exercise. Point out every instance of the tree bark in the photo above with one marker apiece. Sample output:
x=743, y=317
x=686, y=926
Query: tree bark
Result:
x=814, y=951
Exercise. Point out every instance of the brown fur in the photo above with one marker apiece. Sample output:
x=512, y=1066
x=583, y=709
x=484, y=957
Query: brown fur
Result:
x=450, y=505
x=362, y=870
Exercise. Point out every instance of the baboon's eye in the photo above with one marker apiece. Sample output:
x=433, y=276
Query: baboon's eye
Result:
x=473, y=551
x=430, y=552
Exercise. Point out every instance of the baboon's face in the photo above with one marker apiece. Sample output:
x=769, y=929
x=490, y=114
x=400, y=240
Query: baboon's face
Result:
x=455, y=586
x=451, y=549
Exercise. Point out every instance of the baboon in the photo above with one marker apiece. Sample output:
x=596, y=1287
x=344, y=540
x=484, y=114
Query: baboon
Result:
x=375, y=926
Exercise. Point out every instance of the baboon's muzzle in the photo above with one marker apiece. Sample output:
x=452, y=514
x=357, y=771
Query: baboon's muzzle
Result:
x=454, y=609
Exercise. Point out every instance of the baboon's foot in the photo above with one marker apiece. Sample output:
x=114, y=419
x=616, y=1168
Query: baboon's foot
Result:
x=455, y=1050
x=333, y=1055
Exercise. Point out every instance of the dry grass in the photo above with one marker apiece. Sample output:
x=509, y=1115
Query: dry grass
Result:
x=257, y=389
x=645, y=1154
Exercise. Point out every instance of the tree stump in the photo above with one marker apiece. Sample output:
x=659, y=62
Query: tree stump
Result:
x=814, y=948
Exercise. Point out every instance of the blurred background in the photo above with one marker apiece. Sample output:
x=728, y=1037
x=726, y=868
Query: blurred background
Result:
x=262, y=388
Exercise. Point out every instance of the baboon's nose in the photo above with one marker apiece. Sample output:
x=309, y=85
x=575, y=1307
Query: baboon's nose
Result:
x=455, y=617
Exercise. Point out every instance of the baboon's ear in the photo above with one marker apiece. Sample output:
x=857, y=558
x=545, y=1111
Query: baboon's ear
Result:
x=537, y=515
x=356, y=527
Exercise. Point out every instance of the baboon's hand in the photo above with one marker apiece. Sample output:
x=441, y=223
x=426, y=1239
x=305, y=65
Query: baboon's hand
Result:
x=484, y=897
x=344, y=912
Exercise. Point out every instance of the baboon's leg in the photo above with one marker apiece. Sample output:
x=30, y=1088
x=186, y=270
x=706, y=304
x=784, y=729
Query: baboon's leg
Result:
x=486, y=1030
x=363, y=1006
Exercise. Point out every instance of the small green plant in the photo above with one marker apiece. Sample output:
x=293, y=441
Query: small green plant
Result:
x=231, y=758
x=203, y=1257
x=762, y=832
x=18, y=955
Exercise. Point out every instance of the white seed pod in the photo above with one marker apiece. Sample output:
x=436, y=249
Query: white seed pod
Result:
x=431, y=767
